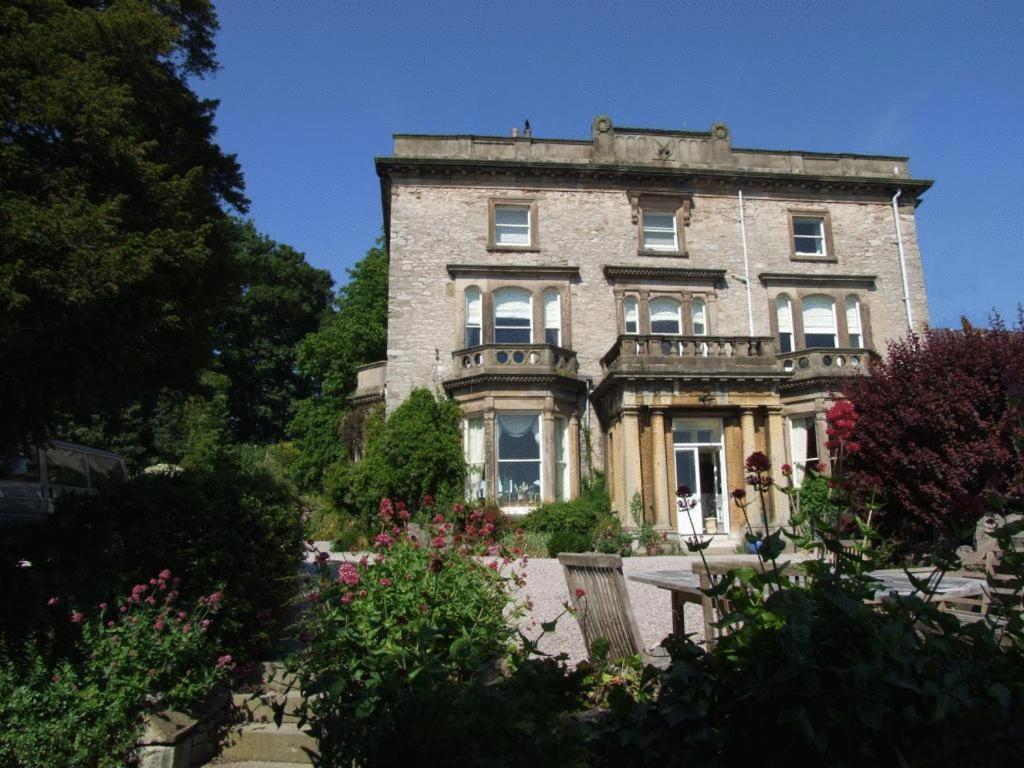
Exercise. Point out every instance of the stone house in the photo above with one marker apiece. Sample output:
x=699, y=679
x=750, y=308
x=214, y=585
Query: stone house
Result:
x=652, y=304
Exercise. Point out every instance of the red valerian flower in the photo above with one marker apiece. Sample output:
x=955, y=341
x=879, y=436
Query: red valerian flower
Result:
x=438, y=518
x=387, y=510
x=457, y=509
x=383, y=540
x=739, y=494
x=683, y=490
x=428, y=501
x=224, y=662
x=580, y=592
x=758, y=462
x=165, y=574
x=385, y=582
x=787, y=470
x=348, y=574
x=53, y=601
x=347, y=598
x=436, y=565
x=77, y=617
x=821, y=468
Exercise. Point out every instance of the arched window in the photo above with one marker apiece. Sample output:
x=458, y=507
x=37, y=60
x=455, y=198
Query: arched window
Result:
x=474, y=317
x=631, y=316
x=784, y=313
x=665, y=317
x=513, y=316
x=853, y=326
x=819, y=314
x=552, y=317
x=700, y=319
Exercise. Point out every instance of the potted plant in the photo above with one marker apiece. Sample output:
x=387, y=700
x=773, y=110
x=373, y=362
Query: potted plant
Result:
x=649, y=539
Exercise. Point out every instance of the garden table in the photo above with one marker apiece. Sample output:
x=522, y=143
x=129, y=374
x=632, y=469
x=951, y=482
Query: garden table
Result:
x=685, y=585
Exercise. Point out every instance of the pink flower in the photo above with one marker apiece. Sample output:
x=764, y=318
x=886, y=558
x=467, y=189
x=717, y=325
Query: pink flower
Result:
x=77, y=617
x=182, y=615
x=438, y=519
x=383, y=540
x=165, y=574
x=215, y=598
x=428, y=500
x=385, y=582
x=224, y=661
x=186, y=628
x=348, y=574
x=347, y=598
x=53, y=601
x=387, y=510
x=103, y=606
x=150, y=600
x=787, y=470
x=437, y=542
x=580, y=592
x=457, y=509
x=204, y=625
x=110, y=624
x=152, y=582
x=159, y=625
x=313, y=597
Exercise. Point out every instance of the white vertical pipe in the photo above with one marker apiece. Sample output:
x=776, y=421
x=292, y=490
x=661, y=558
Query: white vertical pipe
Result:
x=903, y=262
x=746, y=268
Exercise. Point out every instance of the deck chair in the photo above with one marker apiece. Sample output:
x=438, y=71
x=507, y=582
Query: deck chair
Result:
x=604, y=609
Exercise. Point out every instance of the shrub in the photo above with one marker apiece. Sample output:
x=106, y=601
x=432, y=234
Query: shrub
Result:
x=237, y=529
x=394, y=630
x=569, y=541
x=415, y=452
x=817, y=500
x=142, y=654
x=933, y=428
x=611, y=539
x=582, y=515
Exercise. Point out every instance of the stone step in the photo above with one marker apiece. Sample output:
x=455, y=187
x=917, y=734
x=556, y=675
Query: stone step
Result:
x=275, y=678
x=266, y=742
x=249, y=764
x=259, y=707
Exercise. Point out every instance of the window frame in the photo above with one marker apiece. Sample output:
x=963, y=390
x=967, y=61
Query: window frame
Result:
x=679, y=315
x=800, y=465
x=678, y=205
x=674, y=229
x=835, y=321
x=495, y=327
x=530, y=203
x=467, y=326
x=850, y=333
x=778, y=325
x=825, y=217
x=625, y=316
x=541, y=445
x=545, y=295
x=703, y=304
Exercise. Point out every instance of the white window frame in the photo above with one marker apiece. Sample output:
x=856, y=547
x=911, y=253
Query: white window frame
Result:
x=645, y=212
x=854, y=324
x=517, y=510
x=553, y=324
x=478, y=467
x=834, y=332
x=800, y=465
x=627, y=303
x=717, y=427
x=784, y=311
x=479, y=324
x=510, y=228
x=820, y=237
x=497, y=327
x=679, y=315
x=700, y=307
x=562, y=459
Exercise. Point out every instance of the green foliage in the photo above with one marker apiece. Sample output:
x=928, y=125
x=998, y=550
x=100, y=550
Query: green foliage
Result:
x=529, y=543
x=565, y=540
x=129, y=658
x=237, y=528
x=385, y=637
x=415, y=452
x=114, y=244
x=817, y=500
x=611, y=539
x=582, y=515
x=281, y=300
x=354, y=335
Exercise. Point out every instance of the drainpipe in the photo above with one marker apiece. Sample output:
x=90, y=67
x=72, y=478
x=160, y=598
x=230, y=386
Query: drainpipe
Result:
x=746, y=268
x=903, y=263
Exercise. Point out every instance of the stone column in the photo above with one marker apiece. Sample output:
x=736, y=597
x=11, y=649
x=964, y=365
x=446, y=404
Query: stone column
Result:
x=547, y=457
x=491, y=456
x=776, y=442
x=821, y=439
x=747, y=427
x=662, y=494
x=629, y=449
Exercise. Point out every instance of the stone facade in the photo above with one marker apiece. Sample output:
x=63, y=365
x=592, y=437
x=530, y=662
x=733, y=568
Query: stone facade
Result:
x=587, y=201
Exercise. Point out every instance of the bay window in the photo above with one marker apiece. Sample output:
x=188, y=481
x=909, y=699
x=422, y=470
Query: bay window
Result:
x=552, y=317
x=853, y=326
x=474, y=317
x=819, y=314
x=665, y=317
x=784, y=314
x=473, y=445
x=519, y=459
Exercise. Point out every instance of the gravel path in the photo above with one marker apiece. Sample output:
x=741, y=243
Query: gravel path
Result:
x=545, y=589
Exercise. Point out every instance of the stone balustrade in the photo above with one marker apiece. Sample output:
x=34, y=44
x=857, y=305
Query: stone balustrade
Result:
x=513, y=359
x=711, y=354
x=816, y=362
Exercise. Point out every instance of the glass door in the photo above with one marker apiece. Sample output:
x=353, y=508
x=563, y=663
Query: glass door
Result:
x=700, y=466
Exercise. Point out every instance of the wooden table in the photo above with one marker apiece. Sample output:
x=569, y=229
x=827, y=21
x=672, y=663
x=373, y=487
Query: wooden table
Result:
x=685, y=585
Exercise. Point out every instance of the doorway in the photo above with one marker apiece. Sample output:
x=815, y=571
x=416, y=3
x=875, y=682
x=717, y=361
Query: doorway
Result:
x=700, y=466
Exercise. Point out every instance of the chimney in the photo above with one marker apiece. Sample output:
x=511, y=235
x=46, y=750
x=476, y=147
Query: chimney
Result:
x=515, y=133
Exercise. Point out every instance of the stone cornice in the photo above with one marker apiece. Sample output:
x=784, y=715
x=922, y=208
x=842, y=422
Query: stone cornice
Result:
x=373, y=397
x=624, y=174
x=816, y=279
x=498, y=381
x=566, y=271
x=615, y=272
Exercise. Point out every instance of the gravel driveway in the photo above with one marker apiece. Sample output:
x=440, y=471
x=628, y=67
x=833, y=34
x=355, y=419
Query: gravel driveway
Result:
x=545, y=588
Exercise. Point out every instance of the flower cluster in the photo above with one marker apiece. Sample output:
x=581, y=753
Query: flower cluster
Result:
x=759, y=470
x=842, y=421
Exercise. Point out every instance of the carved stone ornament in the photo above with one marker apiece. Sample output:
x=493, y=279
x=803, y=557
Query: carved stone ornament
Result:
x=602, y=124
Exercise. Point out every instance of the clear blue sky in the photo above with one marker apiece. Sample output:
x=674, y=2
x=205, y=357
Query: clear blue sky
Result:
x=312, y=91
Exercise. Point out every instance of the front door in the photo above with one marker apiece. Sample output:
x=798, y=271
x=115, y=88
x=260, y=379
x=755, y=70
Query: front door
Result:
x=700, y=466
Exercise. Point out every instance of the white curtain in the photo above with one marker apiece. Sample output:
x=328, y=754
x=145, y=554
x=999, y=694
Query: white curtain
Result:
x=819, y=315
x=474, y=309
x=664, y=312
x=700, y=326
x=552, y=310
x=853, y=315
x=784, y=310
x=800, y=430
x=513, y=303
x=519, y=425
x=475, y=441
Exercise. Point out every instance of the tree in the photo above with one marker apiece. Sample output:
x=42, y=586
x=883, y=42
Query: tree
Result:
x=282, y=299
x=355, y=334
x=115, y=249
x=933, y=428
x=415, y=452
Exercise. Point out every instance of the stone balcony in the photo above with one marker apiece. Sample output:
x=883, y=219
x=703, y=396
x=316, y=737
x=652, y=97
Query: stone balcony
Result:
x=505, y=359
x=817, y=363
x=371, y=384
x=699, y=356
